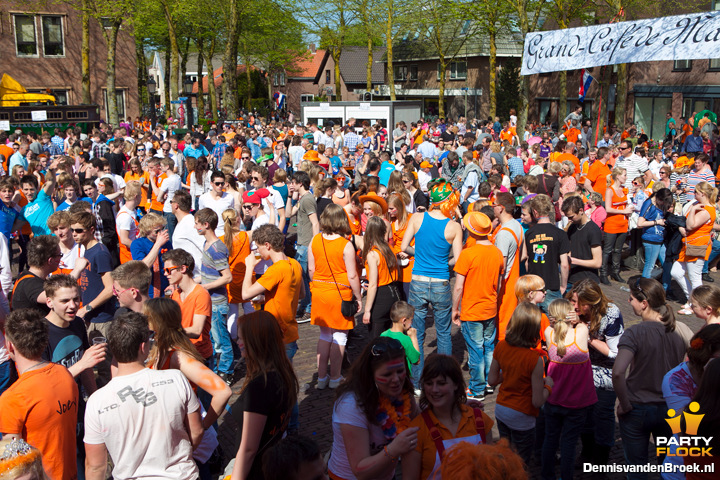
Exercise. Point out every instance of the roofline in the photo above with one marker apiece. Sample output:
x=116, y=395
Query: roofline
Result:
x=320, y=67
x=420, y=59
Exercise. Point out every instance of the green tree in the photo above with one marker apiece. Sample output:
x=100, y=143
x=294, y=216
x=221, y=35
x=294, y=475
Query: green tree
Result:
x=508, y=92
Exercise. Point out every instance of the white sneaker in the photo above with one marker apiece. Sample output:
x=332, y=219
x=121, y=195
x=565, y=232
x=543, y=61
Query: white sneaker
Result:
x=322, y=383
x=335, y=382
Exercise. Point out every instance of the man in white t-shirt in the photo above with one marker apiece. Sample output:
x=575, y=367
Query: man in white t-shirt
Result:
x=147, y=420
x=217, y=200
x=185, y=237
x=166, y=192
x=258, y=180
x=633, y=164
x=126, y=221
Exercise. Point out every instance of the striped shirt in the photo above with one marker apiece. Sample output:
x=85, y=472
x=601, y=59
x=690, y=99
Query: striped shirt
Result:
x=696, y=177
x=634, y=165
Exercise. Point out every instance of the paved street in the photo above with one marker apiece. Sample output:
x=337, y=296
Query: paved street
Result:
x=316, y=405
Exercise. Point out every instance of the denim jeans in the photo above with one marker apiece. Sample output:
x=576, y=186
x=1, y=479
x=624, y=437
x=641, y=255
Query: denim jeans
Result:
x=522, y=440
x=438, y=295
x=294, y=424
x=636, y=426
x=562, y=427
x=480, y=340
x=301, y=256
x=550, y=295
x=653, y=251
x=714, y=252
x=221, y=338
x=171, y=222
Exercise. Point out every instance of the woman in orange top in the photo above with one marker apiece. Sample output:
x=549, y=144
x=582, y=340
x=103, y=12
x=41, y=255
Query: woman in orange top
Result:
x=618, y=210
x=238, y=245
x=353, y=210
x=334, y=278
x=381, y=267
x=698, y=227
x=399, y=218
x=137, y=174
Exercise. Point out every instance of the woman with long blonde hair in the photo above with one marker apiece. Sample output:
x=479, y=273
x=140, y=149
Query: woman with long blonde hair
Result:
x=238, y=245
x=381, y=267
x=399, y=218
x=619, y=209
x=395, y=185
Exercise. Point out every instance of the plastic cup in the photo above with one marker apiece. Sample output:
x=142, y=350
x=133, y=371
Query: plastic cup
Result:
x=99, y=340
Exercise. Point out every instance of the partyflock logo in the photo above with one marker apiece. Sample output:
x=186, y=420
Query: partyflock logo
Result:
x=688, y=443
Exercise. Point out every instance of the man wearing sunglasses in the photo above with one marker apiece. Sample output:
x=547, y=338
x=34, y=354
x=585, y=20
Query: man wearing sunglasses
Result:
x=633, y=164
x=217, y=200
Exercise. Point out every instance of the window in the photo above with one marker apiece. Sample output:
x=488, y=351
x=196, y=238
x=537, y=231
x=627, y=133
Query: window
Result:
x=306, y=98
x=714, y=64
x=120, y=98
x=327, y=76
x=413, y=73
x=682, y=65
x=650, y=115
x=401, y=73
x=61, y=96
x=455, y=71
x=53, y=44
x=25, y=36
x=279, y=79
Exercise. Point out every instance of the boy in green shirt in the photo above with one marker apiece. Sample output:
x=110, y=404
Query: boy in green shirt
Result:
x=401, y=315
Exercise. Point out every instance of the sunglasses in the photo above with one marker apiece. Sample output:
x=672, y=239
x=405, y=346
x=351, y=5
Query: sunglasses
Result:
x=117, y=294
x=245, y=158
x=249, y=206
x=169, y=270
x=141, y=150
x=639, y=289
x=392, y=345
x=257, y=179
x=543, y=290
x=663, y=173
x=78, y=230
x=219, y=184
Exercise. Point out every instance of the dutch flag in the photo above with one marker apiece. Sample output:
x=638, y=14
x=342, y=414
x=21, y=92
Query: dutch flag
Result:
x=280, y=101
x=585, y=81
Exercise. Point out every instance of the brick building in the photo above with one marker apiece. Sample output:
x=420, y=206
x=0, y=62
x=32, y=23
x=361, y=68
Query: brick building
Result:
x=40, y=45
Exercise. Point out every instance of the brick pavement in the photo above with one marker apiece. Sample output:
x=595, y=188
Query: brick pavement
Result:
x=316, y=405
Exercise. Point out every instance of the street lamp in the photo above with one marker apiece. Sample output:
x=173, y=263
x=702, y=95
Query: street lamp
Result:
x=188, y=102
x=151, y=87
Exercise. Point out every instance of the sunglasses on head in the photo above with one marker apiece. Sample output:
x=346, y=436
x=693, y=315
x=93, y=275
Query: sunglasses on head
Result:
x=392, y=345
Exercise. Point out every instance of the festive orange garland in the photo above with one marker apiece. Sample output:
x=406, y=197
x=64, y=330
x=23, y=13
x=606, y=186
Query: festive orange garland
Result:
x=399, y=418
x=21, y=459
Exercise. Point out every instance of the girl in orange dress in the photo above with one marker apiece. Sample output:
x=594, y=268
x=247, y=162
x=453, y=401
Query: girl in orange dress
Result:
x=238, y=245
x=399, y=218
x=136, y=173
x=698, y=226
x=334, y=278
x=618, y=210
x=381, y=267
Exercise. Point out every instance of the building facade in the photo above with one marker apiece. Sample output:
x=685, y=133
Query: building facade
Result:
x=41, y=49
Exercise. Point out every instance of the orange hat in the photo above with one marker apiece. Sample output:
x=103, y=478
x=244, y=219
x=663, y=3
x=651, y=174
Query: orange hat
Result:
x=684, y=162
x=373, y=197
x=477, y=223
x=426, y=164
x=311, y=155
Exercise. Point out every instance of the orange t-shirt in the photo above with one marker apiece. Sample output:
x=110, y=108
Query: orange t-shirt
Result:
x=41, y=407
x=572, y=135
x=283, y=281
x=687, y=130
x=397, y=238
x=597, y=174
x=355, y=225
x=426, y=445
x=197, y=302
x=569, y=156
x=7, y=152
x=617, y=222
x=508, y=134
x=517, y=365
x=481, y=265
x=385, y=277
x=129, y=177
x=25, y=228
x=154, y=204
x=554, y=156
x=241, y=249
x=700, y=236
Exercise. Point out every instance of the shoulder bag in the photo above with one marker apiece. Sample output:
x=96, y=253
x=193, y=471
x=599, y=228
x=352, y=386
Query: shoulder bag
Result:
x=348, y=308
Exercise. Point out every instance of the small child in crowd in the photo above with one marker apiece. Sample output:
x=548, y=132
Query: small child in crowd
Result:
x=401, y=330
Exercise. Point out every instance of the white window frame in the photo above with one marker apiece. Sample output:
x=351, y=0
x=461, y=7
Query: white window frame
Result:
x=121, y=114
x=15, y=35
x=401, y=73
x=62, y=33
x=452, y=71
x=682, y=65
x=279, y=79
x=307, y=97
x=716, y=66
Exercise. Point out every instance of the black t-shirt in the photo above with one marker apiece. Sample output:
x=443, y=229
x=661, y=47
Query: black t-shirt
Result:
x=545, y=243
x=66, y=346
x=117, y=162
x=26, y=291
x=265, y=398
x=322, y=202
x=447, y=136
x=582, y=239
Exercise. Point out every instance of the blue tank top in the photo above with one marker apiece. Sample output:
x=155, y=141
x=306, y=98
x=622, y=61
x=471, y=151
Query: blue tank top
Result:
x=431, y=249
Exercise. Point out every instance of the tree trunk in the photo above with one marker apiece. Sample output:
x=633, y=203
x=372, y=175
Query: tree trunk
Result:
x=441, y=90
x=166, y=81
x=562, y=102
x=111, y=39
x=493, y=74
x=211, y=79
x=230, y=93
x=86, y=97
x=183, y=61
x=247, y=76
x=369, y=63
x=201, y=90
x=174, y=54
x=389, y=41
x=621, y=96
x=338, y=87
x=142, y=76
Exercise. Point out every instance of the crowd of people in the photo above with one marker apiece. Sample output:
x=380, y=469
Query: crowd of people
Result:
x=141, y=269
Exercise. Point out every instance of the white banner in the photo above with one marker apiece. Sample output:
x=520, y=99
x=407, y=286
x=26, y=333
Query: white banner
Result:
x=681, y=37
